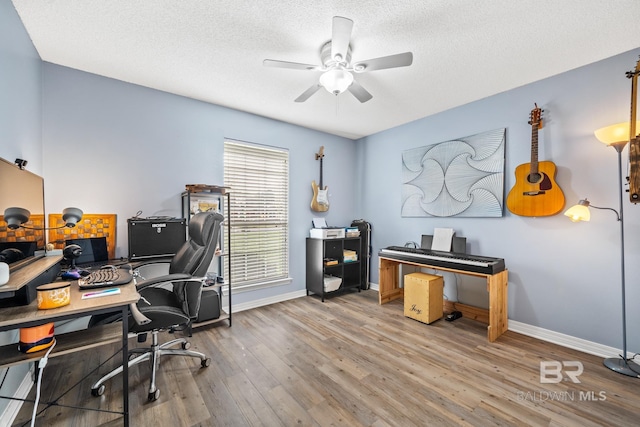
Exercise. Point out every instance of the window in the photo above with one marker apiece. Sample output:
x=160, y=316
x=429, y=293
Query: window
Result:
x=259, y=181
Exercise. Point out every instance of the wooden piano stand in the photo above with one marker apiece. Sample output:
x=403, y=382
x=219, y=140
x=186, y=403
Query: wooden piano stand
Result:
x=496, y=316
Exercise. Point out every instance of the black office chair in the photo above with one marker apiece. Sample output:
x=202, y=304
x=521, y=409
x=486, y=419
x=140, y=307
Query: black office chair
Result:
x=170, y=301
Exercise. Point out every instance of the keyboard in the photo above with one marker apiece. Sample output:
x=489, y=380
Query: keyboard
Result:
x=453, y=260
x=108, y=276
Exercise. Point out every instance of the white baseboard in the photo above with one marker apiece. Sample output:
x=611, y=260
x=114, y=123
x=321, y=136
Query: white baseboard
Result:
x=14, y=406
x=266, y=301
x=564, y=340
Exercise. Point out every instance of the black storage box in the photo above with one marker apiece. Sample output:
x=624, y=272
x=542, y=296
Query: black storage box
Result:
x=209, y=305
x=155, y=238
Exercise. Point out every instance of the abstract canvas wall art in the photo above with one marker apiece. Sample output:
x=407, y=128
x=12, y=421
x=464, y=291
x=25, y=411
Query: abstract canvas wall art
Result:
x=463, y=177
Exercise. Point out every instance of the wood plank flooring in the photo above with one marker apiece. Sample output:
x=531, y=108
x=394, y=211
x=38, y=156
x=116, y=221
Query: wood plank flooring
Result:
x=347, y=362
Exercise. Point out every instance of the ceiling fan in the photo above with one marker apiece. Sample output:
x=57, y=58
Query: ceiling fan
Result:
x=337, y=70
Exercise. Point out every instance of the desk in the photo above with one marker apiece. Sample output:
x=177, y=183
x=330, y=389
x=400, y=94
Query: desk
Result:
x=29, y=315
x=496, y=316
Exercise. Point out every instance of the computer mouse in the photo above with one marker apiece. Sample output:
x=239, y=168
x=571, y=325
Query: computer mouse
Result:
x=71, y=274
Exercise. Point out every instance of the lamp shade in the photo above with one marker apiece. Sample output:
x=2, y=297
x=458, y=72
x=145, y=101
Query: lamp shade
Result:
x=15, y=217
x=579, y=212
x=336, y=81
x=615, y=134
x=71, y=216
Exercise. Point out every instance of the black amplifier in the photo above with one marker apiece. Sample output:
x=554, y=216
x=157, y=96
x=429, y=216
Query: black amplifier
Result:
x=155, y=238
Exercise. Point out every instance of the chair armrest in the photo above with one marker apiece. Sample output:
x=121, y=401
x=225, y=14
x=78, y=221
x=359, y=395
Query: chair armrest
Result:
x=146, y=262
x=138, y=317
x=163, y=279
x=151, y=268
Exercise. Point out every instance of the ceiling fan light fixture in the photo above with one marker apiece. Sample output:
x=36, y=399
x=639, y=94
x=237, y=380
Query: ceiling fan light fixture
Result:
x=336, y=81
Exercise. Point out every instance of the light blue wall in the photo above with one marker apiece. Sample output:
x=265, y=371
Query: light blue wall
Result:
x=20, y=92
x=114, y=147
x=562, y=276
x=20, y=129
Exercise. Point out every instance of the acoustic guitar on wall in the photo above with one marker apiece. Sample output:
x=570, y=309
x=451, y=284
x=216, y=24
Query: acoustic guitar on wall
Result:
x=320, y=201
x=535, y=192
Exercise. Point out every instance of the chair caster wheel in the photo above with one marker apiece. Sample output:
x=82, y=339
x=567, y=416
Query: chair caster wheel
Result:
x=206, y=362
x=154, y=396
x=186, y=345
x=98, y=391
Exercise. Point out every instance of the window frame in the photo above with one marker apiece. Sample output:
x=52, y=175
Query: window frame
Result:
x=249, y=223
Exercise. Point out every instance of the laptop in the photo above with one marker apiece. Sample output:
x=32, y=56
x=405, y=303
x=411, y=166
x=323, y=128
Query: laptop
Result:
x=94, y=251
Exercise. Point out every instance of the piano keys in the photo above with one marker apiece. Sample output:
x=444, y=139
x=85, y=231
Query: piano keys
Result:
x=452, y=260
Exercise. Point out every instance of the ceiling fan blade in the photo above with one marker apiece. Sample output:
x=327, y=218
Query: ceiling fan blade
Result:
x=307, y=93
x=359, y=92
x=340, y=38
x=391, y=61
x=290, y=65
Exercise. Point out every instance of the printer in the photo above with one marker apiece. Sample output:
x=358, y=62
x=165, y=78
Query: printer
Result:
x=321, y=230
x=327, y=233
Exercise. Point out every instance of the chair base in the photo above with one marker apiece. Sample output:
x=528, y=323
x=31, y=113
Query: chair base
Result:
x=152, y=354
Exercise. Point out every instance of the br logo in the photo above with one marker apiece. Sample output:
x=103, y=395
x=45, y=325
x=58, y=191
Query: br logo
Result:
x=553, y=371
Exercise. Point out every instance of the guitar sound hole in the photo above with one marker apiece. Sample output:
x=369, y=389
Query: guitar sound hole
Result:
x=534, y=178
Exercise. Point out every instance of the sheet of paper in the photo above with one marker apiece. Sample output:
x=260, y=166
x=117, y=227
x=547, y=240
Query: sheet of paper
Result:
x=319, y=223
x=442, y=238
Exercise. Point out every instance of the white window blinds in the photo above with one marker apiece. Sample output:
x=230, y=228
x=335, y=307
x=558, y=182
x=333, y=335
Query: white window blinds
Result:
x=259, y=181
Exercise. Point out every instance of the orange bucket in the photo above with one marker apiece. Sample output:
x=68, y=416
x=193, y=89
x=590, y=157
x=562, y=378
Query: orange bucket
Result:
x=36, y=338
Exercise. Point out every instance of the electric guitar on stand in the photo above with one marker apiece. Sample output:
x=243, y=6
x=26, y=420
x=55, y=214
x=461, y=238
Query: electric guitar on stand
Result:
x=535, y=192
x=320, y=201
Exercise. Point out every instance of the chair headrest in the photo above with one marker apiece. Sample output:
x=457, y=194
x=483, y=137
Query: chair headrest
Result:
x=200, y=227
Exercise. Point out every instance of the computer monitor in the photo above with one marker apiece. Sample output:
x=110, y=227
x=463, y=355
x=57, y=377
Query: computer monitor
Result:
x=458, y=244
x=24, y=189
x=27, y=248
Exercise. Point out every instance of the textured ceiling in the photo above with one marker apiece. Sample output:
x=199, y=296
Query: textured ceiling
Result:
x=212, y=50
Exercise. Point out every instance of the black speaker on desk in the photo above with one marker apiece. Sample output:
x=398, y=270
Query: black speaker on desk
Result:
x=155, y=238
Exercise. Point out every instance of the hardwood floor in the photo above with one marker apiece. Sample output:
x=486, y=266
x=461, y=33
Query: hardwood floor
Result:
x=348, y=362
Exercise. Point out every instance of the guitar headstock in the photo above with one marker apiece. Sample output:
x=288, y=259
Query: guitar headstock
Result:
x=630, y=74
x=535, y=117
x=320, y=153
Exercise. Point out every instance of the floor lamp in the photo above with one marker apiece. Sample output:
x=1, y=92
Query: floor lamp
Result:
x=616, y=136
